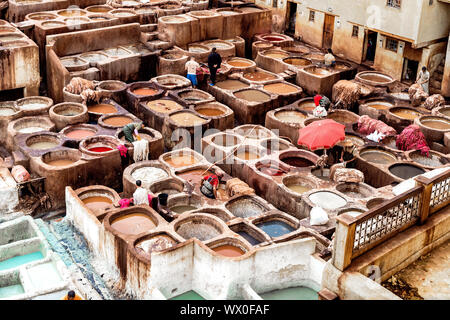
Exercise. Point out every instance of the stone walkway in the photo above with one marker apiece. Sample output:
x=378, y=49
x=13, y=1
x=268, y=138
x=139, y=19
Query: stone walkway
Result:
x=430, y=274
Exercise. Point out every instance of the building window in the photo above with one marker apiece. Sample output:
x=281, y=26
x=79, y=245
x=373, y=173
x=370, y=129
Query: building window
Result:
x=394, y=3
x=312, y=15
x=275, y=3
x=355, y=31
x=391, y=44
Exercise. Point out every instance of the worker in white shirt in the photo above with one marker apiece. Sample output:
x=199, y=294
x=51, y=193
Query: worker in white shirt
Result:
x=140, y=196
x=424, y=79
x=191, y=68
x=330, y=60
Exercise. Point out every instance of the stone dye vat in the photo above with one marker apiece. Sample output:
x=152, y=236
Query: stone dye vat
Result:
x=200, y=226
x=116, y=121
x=245, y=206
x=295, y=293
x=327, y=200
x=98, y=198
x=100, y=145
x=405, y=170
x=315, y=79
x=433, y=127
x=401, y=117
x=67, y=113
x=374, y=78
x=32, y=106
x=221, y=116
x=376, y=108
x=356, y=190
x=300, y=159
x=435, y=159
x=275, y=228
x=133, y=223
x=156, y=243
x=80, y=131
x=179, y=159
x=27, y=125
x=377, y=156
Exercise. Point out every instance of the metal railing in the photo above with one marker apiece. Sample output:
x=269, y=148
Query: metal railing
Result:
x=357, y=235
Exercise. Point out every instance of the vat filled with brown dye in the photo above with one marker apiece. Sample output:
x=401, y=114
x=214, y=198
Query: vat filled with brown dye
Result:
x=79, y=132
x=297, y=162
x=133, y=223
x=102, y=108
x=97, y=203
x=164, y=106
x=230, y=251
x=116, y=121
x=240, y=63
x=61, y=158
x=377, y=156
x=297, y=61
x=443, y=124
x=259, y=76
x=290, y=116
x=181, y=160
x=275, y=54
x=405, y=113
x=144, y=91
x=281, y=88
x=210, y=112
x=307, y=105
x=194, y=175
x=186, y=119
x=232, y=85
x=298, y=184
x=252, y=95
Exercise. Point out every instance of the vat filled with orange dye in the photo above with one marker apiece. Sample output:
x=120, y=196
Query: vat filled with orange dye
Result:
x=227, y=250
x=97, y=202
x=133, y=223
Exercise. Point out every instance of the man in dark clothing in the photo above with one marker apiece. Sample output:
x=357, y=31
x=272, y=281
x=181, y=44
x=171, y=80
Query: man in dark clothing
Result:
x=214, y=61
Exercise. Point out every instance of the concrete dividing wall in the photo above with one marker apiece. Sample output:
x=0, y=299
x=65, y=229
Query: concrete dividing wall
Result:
x=388, y=61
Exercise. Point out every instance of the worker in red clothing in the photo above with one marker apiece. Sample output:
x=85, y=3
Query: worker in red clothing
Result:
x=209, y=185
x=317, y=99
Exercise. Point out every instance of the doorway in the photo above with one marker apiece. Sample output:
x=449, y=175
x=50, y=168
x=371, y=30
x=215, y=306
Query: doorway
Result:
x=291, y=15
x=371, y=46
x=328, y=30
x=410, y=68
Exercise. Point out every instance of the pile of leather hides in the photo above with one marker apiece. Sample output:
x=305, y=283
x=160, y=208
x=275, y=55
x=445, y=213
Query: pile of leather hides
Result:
x=236, y=186
x=367, y=125
x=411, y=138
x=141, y=150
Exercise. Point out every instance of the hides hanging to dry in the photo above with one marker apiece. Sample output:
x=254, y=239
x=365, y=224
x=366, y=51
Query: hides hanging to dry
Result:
x=141, y=150
x=411, y=138
x=367, y=125
x=346, y=94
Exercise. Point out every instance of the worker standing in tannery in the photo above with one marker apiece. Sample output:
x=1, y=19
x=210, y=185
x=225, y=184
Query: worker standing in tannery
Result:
x=214, y=62
x=191, y=68
x=131, y=131
x=424, y=79
x=329, y=59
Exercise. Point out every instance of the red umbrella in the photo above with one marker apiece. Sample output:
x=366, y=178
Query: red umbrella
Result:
x=321, y=134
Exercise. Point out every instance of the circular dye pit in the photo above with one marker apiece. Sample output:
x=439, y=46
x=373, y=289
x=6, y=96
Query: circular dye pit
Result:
x=149, y=174
x=352, y=212
x=301, y=62
x=327, y=200
x=218, y=44
x=247, y=155
x=225, y=140
x=10, y=37
x=34, y=104
x=253, y=132
x=100, y=149
x=276, y=54
x=445, y=111
x=281, y=88
x=290, y=116
x=196, y=228
x=156, y=243
x=372, y=203
x=179, y=209
x=437, y=123
x=173, y=19
x=259, y=76
x=405, y=171
x=274, y=145
x=231, y=85
x=194, y=95
x=357, y=141
x=318, y=71
x=31, y=129
x=275, y=228
x=102, y=108
x=227, y=250
x=375, y=77
x=433, y=161
x=405, y=113
x=355, y=190
x=198, y=49
x=178, y=161
x=7, y=109
x=144, y=91
x=97, y=203
x=271, y=169
x=379, y=105
x=117, y=121
x=71, y=13
x=117, y=52
x=79, y=134
x=343, y=116
x=187, y=119
x=298, y=188
x=94, y=57
x=298, y=162
x=60, y=162
x=273, y=38
x=42, y=142
x=98, y=9
x=133, y=223
x=252, y=95
x=245, y=207
x=307, y=105
x=209, y=112
x=122, y=13
x=315, y=56
x=240, y=63
x=377, y=156
x=164, y=106
x=194, y=175
x=42, y=16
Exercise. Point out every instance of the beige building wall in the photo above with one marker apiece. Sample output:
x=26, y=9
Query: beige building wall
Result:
x=445, y=89
x=434, y=22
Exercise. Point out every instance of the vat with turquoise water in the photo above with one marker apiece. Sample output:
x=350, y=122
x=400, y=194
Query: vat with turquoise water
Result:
x=10, y=291
x=295, y=293
x=189, y=295
x=275, y=228
x=20, y=260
